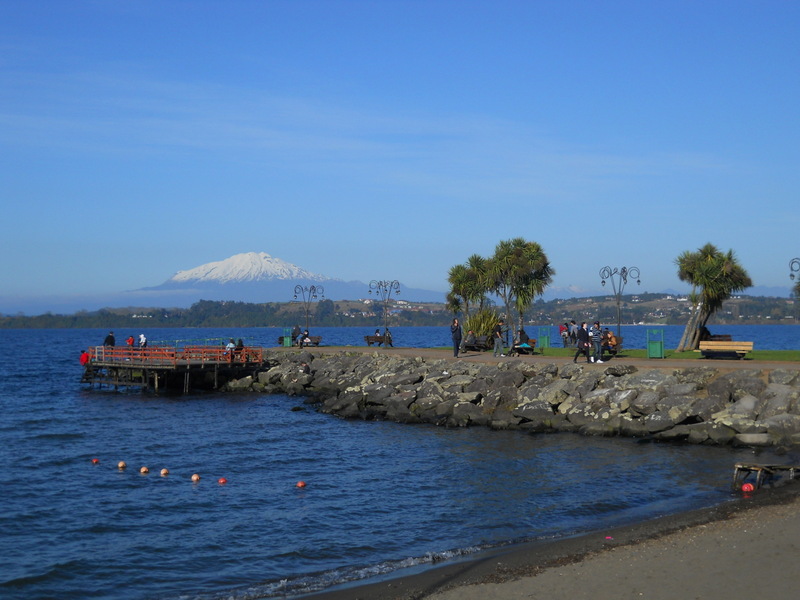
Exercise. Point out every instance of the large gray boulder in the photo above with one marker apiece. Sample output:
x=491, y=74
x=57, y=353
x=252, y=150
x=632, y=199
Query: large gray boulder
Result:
x=777, y=399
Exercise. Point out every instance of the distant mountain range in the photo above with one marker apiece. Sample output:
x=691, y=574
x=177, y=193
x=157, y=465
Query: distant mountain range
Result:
x=253, y=277
x=258, y=277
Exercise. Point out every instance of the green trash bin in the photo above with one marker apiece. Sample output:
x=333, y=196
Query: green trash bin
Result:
x=287, y=337
x=655, y=343
x=543, y=338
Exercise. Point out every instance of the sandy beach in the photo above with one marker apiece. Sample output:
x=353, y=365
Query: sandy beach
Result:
x=752, y=554
x=744, y=548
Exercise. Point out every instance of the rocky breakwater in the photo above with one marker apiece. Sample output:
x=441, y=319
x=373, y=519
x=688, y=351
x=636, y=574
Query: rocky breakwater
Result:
x=697, y=404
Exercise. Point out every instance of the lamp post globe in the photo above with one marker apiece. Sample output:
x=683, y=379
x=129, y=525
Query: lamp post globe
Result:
x=306, y=295
x=619, y=278
x=383, y=289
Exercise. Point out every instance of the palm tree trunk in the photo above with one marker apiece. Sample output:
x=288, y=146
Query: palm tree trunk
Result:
x=691, y=325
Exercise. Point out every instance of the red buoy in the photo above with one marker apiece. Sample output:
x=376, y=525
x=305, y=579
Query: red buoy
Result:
x=748, y=487
x=301, y=484
x=95, y=461
x=222, y=481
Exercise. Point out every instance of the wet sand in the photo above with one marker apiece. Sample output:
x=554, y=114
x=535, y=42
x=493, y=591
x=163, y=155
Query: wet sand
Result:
x=744, y=548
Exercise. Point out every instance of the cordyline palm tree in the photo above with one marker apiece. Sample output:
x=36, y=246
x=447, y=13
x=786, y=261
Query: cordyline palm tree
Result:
x=468, y=286
x=518, y=272
x=714, y=276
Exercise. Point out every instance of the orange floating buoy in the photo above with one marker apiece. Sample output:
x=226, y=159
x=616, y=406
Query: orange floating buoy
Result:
x=195, y=477
x=144, y=470
x=121, y=465
x=222, y=481
x=301, y=484
x=95, y=461
x=748, y=487
x=164, y=472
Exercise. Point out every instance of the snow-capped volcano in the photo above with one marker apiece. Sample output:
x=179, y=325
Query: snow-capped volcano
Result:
x=253, y=277
x=248, y=266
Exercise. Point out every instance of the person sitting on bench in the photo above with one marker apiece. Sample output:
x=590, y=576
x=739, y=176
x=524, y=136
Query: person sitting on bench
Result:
x=609, y=342
x=522, y=346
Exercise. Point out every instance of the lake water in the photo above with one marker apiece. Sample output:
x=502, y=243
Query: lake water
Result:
x=765, y=337
x=380, y=497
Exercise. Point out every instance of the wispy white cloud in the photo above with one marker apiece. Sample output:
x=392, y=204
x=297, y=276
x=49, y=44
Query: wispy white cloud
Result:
x=459, y=155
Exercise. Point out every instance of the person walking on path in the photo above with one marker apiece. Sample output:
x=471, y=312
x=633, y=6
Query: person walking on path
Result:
x=455, y=333
x=597, y=341
x=584, y=343
x=497, y=335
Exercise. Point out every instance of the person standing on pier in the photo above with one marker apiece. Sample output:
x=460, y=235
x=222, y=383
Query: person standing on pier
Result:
x=142, y=341
x=110, y=340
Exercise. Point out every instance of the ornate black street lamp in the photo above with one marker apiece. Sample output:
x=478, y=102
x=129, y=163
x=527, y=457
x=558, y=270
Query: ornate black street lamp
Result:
x=794, y=267
x=307, y=295
x=384, y=289
x=619, y=277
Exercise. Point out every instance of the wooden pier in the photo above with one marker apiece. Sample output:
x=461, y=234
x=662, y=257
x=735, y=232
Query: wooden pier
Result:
x=742, y=471
x=170, y=367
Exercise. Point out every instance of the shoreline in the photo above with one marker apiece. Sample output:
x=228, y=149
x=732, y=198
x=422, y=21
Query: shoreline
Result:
x=514, y=571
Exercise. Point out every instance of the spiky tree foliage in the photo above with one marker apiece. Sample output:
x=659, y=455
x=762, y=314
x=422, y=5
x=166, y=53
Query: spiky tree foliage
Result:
x=468, y=286
x=518, y=272
x=714, y=276
x=482, y=321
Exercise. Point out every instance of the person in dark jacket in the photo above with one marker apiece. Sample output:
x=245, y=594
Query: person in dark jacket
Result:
x=110, y=339
x=597, y=340
x=497, y=337
x=455, y=333
x=584, y=342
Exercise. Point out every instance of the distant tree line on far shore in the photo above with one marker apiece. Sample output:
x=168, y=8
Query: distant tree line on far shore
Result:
x=636, y=308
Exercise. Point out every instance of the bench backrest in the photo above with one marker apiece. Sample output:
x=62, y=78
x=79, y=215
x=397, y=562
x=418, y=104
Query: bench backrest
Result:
x=722, y=337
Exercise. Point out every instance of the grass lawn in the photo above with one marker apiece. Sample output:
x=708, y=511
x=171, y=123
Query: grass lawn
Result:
x=766, y=355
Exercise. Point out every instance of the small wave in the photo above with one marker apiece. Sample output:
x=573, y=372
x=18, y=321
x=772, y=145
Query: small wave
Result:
x=55, y=571
x=59, y=436
x=340, y=577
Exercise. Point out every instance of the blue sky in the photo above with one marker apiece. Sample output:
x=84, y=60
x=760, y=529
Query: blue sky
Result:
x=392, y=139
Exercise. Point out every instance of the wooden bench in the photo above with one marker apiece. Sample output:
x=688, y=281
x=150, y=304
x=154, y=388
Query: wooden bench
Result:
x=378, y=340
x=315, y=341
x=720, y=349
x=482, y=342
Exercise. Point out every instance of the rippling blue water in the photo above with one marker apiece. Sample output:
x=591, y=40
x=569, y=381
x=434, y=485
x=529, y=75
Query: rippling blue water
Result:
x=379, y=496
x=765, y=337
